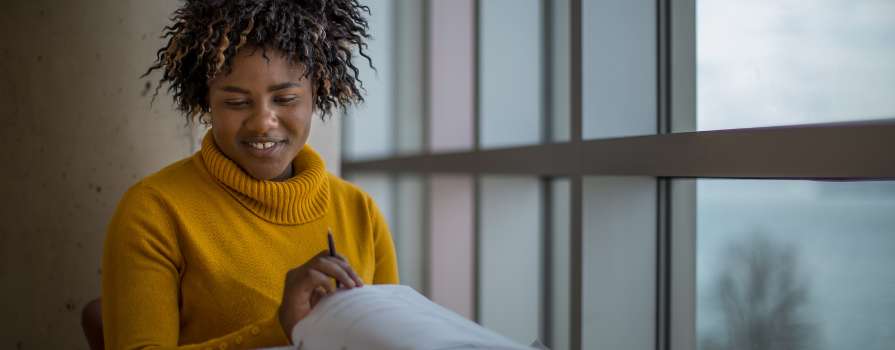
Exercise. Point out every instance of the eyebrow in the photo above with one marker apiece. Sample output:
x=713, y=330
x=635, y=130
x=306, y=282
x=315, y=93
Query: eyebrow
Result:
x=272, y=88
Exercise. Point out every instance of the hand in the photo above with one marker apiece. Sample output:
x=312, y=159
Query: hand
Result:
x=308, y=283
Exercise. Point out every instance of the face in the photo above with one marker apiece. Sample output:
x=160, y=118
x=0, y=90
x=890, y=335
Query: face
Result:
x=261, y=113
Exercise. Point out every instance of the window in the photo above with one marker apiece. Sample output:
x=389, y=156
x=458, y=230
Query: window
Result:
x=629, y=184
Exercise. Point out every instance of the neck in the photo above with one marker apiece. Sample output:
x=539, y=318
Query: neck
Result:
x=299, y=195
x=286, y=175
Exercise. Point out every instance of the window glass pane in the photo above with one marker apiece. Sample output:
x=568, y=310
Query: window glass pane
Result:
x=369, y=127
x=451, y=80
x=682, y=327
x=510, y=255
x=409, y=230
x=619, y=263
x=795, y=264
x=560, y=88
x=560, y=255
x=771, y=62
x=409, y=91
x=511, y=82
x=618, y=47
x=451, y=244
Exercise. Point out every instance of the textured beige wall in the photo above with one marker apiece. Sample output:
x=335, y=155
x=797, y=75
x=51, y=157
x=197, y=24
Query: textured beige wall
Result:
x=77, y=131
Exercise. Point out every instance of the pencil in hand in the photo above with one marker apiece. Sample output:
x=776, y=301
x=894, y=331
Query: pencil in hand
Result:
x=332, y=247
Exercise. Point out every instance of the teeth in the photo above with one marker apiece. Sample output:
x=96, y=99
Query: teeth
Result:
x=262, y=145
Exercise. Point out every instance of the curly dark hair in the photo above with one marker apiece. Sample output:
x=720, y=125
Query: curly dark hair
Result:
x=318, y=34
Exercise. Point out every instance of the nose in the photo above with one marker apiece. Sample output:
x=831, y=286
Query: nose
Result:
x=262, y=120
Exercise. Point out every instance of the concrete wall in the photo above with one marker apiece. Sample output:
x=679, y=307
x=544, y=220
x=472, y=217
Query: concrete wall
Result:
x=77, y=131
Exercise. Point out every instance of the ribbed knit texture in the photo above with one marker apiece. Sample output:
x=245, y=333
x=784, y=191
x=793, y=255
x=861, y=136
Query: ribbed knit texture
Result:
x=196, y=254
x=298, y=200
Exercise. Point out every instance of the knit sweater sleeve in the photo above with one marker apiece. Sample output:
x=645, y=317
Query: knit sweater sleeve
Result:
x=142, y=267
x=384, y=248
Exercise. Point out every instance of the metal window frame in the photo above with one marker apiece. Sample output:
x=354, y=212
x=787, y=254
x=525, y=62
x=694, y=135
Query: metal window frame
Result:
x=476, y=147
x=576, y=226
x=827, y=152
x=860, y=151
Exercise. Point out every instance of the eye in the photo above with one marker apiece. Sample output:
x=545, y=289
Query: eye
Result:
x=285, y=100
x=236, y=103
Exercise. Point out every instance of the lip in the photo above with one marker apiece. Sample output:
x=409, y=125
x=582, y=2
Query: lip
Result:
x=262, y=153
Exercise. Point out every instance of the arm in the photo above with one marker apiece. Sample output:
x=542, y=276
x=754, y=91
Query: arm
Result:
x=384, y=248
x=142, y=268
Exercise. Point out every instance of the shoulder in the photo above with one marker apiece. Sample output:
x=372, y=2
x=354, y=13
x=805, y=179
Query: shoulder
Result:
x=157, y=200
x=179, y=175
x=160, y=189
x=183, y=178
x=347, y=195
x=344, y=190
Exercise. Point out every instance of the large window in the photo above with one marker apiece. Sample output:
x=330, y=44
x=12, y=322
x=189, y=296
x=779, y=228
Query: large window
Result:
x=640, y=174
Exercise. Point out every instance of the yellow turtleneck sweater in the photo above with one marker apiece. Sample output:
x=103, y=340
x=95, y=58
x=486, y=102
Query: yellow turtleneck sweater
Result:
x=197, y=253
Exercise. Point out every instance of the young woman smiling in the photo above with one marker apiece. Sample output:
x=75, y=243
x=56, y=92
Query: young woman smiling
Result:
x=228, y=248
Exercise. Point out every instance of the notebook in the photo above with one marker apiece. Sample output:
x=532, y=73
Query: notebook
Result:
x=387, y=317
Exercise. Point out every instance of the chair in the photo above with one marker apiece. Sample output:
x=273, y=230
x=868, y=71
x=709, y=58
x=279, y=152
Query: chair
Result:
x=92, y=323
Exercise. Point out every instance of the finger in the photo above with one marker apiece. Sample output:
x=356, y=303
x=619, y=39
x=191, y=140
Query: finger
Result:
x=325, y=254
x=345, y=265
x=322, y=280
x=333, y=268
x=317, y=294
x=346, y=276
x=342, y=261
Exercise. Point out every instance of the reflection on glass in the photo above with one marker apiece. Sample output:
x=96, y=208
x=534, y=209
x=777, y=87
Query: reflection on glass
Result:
x=773, y=62
x=511, y=217
x=511, y=82
x=795, y=265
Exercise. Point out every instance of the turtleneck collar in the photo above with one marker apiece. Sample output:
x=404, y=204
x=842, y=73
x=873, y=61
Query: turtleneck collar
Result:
x=300, y=199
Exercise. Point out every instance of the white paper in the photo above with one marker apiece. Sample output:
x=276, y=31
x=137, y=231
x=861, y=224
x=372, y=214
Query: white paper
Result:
x=390, y=317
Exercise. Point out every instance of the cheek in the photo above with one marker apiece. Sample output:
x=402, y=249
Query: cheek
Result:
x=223, y=123
x=299, y=123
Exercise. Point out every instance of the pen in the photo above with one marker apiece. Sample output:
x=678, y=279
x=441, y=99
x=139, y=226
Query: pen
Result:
x=332, y=247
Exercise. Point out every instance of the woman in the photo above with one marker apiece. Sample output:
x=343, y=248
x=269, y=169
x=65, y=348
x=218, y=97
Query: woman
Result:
x=228, y=248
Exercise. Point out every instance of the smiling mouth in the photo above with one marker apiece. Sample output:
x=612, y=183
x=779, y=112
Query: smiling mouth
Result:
x=262, y=145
